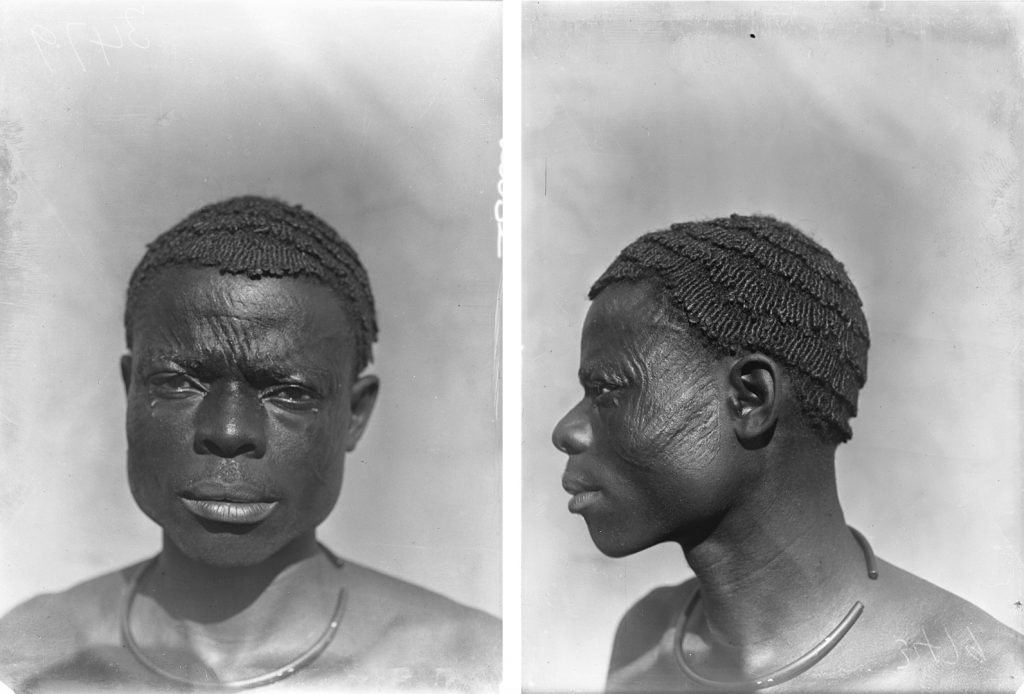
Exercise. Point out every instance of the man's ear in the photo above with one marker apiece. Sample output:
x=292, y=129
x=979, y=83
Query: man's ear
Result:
x=364, y=396
x=126, y=371
x=754, y=397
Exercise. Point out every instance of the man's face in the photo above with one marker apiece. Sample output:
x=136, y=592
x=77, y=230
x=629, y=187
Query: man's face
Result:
x=643, y=443
x=241, y=406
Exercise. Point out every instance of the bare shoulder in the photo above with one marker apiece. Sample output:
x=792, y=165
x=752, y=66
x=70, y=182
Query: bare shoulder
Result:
x=643, y=630
x=84, y=608
x=912, y=636
x=50, y=628
x=392, y=625
x=394, y=598
x=937, y=640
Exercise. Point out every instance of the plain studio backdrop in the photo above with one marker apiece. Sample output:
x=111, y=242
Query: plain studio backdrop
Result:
x=118, y=120
x=889, y=132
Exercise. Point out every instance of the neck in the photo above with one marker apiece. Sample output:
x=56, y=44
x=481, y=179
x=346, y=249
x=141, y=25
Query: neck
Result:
x=223, y=616
x=192, y=590
x=778, y=573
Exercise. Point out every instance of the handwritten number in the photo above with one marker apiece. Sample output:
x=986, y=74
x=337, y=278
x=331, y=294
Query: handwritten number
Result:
x=41, y=33
x=131, y=27
x=972, y=648
x=956, y=651
x=905, y=652
x=71, y=40
x=42, y=36
x=104, y=45
x=499, y=206
x=927, y=644
x=975, y=650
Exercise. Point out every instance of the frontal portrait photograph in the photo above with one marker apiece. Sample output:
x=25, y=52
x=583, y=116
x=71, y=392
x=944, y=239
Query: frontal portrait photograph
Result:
x=249, y=284
x=772, y=311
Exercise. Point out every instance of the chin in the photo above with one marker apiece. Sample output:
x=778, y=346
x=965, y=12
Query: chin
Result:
x=232, y=548
x=615, y=546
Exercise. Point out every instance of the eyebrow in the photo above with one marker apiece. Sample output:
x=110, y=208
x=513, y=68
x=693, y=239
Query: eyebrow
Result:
x=207, y=362
x=597, y=370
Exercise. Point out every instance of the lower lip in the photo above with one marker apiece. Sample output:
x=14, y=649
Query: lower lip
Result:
x=230, y=511
x=581, y=501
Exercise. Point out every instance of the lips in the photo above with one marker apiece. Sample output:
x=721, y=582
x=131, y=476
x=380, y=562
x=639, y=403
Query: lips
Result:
x=583, y=493
x=239, y=504
x=230, y=511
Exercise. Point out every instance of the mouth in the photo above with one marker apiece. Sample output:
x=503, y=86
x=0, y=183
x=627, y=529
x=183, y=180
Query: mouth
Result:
x=237, y=505
x=230, y=511
x=583, y=495
x=579, y=502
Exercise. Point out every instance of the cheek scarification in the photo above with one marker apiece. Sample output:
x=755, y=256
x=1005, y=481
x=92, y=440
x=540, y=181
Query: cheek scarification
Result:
x=664, y=423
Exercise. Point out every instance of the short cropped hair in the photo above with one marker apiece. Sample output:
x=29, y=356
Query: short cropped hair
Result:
x=756, y=284
x=262, y=237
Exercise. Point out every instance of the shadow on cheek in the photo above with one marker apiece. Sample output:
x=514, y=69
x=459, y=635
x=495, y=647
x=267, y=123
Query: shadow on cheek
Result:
x=324, y=456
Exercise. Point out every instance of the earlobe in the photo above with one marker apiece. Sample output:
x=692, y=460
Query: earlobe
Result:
x=126, y=371
x=364, y=397
x=754, y=396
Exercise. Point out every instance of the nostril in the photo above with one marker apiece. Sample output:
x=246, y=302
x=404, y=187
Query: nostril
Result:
x=227, y=449
x=570, y=446
x=230, y=424
x=558, y=443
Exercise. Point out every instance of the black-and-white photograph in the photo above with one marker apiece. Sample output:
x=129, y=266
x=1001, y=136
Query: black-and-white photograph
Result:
x=249, y=307
x=772, y=328
x=503, y=346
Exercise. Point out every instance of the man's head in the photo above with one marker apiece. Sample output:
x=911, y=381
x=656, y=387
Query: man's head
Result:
x=704, y=339
x=755, y=284
x=248, y=326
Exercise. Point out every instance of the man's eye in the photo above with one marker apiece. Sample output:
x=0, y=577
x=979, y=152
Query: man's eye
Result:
x=292, y=397
x=602, y=394
x=173, y=383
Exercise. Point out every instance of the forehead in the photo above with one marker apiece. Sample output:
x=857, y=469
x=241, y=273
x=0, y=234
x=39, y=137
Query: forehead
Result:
x=202, y=307
x=627, y=321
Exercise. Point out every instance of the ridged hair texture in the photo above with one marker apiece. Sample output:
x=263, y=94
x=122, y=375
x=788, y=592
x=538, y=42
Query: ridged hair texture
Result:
x=756, y=284
x=262, y=237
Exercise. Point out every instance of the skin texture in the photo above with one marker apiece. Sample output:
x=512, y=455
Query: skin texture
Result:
x=672, y=444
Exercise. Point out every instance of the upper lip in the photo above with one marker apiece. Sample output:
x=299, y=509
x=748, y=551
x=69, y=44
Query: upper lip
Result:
x=218, y=491
x=575, y=485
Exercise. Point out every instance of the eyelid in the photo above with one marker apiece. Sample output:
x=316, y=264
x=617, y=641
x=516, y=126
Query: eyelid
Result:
x=167, y=372
x=305, y=396
x=162, y=378
x=271, y=390
x=600, y=388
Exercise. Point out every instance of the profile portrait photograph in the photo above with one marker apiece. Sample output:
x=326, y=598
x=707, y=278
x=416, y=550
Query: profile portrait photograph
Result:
x=250, y=388
x=772, y=326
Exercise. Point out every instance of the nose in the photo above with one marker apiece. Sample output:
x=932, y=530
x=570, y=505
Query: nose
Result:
x=230, y=424
x=573, y=433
